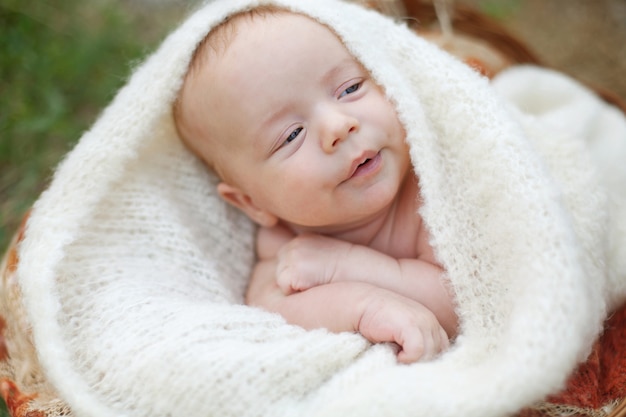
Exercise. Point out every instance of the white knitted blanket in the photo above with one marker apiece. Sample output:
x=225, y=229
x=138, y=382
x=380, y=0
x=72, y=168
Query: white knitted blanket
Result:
x=133, y=271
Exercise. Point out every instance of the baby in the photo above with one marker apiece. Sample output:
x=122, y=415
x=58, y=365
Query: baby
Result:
x=309, y=147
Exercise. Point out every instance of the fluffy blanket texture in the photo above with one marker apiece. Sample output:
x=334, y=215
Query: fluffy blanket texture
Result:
x=133, y=271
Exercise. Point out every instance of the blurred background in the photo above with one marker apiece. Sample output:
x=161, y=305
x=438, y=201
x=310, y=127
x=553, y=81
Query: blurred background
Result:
x=584, y=38
x=61, y=62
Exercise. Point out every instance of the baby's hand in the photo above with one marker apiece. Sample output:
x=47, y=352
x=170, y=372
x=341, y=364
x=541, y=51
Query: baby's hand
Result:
x=307, y=261
x=389, y=317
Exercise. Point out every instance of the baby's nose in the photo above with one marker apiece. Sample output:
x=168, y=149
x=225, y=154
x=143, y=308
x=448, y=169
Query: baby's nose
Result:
x=338, y=128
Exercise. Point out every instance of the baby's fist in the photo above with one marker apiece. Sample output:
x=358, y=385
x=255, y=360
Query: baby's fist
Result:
x=390, y=317
x=308, y=260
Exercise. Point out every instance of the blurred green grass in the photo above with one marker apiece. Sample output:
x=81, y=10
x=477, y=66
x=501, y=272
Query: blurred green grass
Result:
x=61, y=62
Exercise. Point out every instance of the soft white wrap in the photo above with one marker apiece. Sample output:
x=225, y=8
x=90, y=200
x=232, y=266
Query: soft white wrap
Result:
x=133, y=271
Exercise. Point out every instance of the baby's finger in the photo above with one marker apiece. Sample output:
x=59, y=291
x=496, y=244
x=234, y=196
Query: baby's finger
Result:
x=445, y=341
x=431, y=347
x=412, y=347
x=440, y=342
x=284, y=278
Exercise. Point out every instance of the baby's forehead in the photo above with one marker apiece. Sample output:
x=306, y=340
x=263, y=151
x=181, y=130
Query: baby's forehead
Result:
x=220, y=38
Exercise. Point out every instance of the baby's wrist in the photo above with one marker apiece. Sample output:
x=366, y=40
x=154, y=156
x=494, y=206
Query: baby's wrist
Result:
x=370, y=301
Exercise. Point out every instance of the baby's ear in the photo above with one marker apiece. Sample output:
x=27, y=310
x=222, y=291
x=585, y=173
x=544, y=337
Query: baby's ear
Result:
x=237, y=198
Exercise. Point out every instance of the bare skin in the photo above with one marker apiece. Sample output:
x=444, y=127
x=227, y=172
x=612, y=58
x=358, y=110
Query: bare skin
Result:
x=315, y=154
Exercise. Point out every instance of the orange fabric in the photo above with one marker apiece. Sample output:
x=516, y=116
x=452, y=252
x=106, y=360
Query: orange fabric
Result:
x=598, y=382
x=602, y=378
x=4, y=351
x=17, y=402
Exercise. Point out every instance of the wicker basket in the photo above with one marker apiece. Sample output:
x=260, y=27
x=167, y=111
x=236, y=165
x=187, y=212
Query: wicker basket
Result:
x=478, y=40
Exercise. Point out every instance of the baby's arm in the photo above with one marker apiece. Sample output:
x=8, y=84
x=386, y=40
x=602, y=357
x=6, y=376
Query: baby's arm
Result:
x=378, y=314
x=310, y=260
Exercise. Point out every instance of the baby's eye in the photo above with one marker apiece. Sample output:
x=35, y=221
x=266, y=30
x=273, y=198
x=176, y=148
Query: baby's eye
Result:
x=293, y=135
x=350, y=89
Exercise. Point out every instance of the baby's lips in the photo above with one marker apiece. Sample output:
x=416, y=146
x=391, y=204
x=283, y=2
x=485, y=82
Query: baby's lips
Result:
x=357, y=162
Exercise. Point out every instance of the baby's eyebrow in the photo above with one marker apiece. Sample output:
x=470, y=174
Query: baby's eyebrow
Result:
x=344, y=65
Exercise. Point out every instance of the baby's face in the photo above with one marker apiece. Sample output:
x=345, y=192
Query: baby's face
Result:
x=309, y=136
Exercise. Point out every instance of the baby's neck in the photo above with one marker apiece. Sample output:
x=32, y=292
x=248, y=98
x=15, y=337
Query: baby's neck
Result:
x=362, y=233
x=392, y=231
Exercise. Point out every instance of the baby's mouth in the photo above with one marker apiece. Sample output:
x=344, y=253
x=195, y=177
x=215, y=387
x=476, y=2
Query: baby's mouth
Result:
x=369, y=164
x=363, y=164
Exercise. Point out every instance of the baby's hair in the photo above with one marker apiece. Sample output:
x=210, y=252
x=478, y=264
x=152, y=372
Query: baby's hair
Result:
x=220, y=36
x=216, y=42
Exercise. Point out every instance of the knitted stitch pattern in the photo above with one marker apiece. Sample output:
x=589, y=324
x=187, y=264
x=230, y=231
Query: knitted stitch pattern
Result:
x=133, y=270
